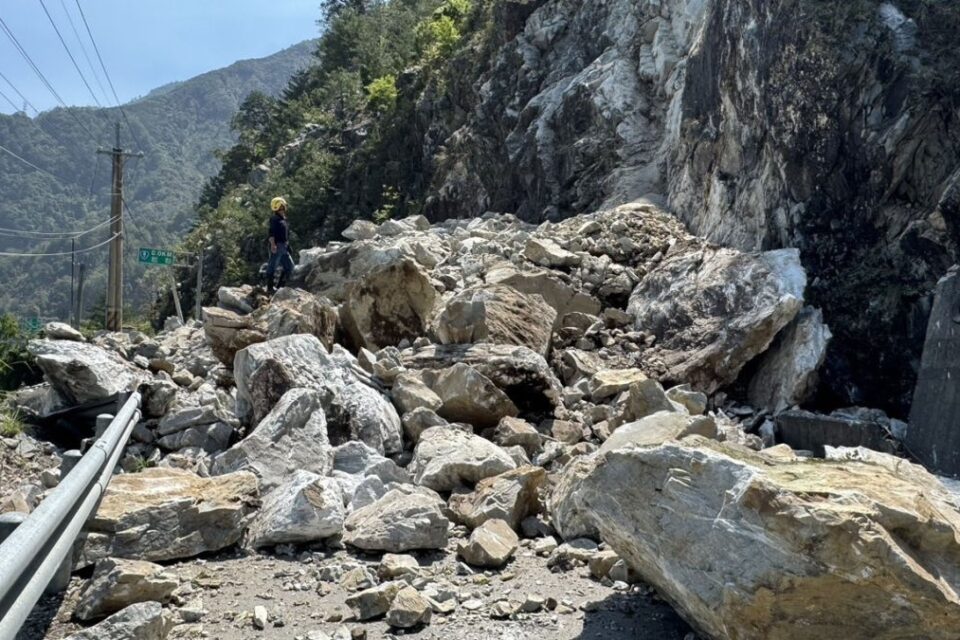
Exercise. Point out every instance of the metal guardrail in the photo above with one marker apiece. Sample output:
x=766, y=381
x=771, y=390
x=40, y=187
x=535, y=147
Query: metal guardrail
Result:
x=31, y=556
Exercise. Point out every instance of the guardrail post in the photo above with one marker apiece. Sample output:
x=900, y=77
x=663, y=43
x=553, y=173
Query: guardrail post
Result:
x=103, y=421
x=68, y=461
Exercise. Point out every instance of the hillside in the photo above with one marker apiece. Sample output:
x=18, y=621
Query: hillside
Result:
x=826, y=127
x=178, y=128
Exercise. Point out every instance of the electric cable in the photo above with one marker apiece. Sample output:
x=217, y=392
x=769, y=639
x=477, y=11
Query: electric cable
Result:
x=28, y=163
x=12, y=103
x=86, y=55
x=11, y=254
x=22, y=97
x=70, y=54
x=25, y=234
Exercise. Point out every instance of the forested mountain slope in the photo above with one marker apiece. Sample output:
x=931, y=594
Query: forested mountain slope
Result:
x=178, y=129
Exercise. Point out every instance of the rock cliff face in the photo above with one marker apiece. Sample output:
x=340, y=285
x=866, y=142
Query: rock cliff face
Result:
x=829, y=127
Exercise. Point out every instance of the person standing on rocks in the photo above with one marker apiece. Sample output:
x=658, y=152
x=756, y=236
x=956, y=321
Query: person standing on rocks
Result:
x=279, y=244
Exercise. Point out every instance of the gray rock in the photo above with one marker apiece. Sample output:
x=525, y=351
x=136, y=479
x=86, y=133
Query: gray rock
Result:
x=693, y=401
x=354, y=411
x=510, y=496
x=142, y=621
x=159, y=395
x=516, y=432
x=306, y=508
x=418, y=421
x=403, y=520
x=468, y=396
x=658, y=428
x=492, y=544
x=447, y=458
x=409, y=609
x=61, y=331
x=787, y=374
x=165, y=514
x=409, y=393
x=81, y=372
x=292, y=437
x=117, y=584
x=360, y=230
x=237, y=299
x=398, y=566
x=690, y=301
x=358, y=458
x=497, y=314
x=374, y=602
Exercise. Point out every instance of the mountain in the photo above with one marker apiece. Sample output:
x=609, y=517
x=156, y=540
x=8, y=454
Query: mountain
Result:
x=178, y=127
x=827, y=127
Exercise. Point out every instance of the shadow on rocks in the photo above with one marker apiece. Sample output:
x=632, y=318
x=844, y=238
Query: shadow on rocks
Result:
x=634, y=616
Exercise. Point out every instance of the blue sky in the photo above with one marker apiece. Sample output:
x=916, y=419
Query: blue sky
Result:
x=145, y=43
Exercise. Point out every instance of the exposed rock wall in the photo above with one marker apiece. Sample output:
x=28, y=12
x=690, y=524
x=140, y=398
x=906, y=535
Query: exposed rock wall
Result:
x=830, y=127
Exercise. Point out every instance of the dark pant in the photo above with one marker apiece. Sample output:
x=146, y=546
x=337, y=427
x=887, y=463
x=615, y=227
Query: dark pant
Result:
x=282, y=257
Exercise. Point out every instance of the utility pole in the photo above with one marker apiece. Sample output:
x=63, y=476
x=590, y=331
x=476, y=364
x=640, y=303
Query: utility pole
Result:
x=115, y=272
x=73, y=279
x=198, y=307
x=78, y=313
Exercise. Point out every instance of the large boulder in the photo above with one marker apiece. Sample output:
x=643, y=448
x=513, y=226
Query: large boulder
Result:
x=563, y=297
x=510, y=496
x=492, y=544
x=519, y=372
x=142, y=621
x=752, y=546
x=498, y=314
x=712, y=310
x=787, y=374
x=354, y=410
x=389, y=305
x=292, y=437
x=80, y=372
x=228, y=332
x=293, y=311
x=660, y=427
x=306, y=508
x=116, y=584
x=447, y=458
x=165, y=514
x=404, y=519
x=466, y=395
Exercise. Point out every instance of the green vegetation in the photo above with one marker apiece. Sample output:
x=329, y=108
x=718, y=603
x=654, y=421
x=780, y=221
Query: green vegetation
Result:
x=179, y=127
x=340, y=142
x=15, y=369
x=10, y=422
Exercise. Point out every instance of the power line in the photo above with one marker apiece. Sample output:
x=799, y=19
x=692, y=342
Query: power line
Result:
x=22, y=97
x=43, y=78
x=28, y=163
x=25, y=234
x=11, y=254
x=106, y=74
x=76, y=34
x=70, y=54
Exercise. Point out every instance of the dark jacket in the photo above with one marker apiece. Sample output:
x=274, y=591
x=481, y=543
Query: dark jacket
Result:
x=279, y=228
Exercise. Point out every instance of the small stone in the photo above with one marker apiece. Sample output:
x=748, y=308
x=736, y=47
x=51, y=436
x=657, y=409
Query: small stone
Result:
x=375, y=602
x=394, y=565
x=260, y=617
x=473, y=605
x=502, y=609
x=545, y=546
x=492, y=544
x=532, y=604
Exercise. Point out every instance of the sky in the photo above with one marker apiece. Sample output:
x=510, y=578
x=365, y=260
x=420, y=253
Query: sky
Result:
x=144, y=43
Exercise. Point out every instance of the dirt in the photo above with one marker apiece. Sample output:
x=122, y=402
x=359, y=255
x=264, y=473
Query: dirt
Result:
x=230, y=585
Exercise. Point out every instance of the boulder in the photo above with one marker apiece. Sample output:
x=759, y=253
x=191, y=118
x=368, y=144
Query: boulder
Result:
x=519, y=372
x=360, y=230
x=142, y=621
x=228, y=332
x=405, y=519
x=292, y=437
x=354, y=410
x=409, y=609
x=607, y=383
x=237, y=299
x=646, y=398
x=498, y=314
x=293, y=311
x=712, y=310
x=447, y=458
x=466, y=395
x=61, y=331
x=492, y=544
x=80, y=372
x=157, y=396
x=694, y=402
x=418, y=421
x=510, y=496
x=787, y=374
x=357, y=458
x=305, y=508
x=374, y=602
x=560, y=295
x=658, y=428
x=547, y=253
x=751, y=546
x=117, y=584
x=389, y=304
x=511, y=432
x=393, y=565
x=165, y=514
x=409, y=393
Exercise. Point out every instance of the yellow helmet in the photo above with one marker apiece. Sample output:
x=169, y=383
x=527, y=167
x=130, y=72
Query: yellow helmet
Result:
x=278, y=202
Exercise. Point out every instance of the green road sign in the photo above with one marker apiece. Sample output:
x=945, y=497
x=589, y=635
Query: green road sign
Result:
x=157, y=256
